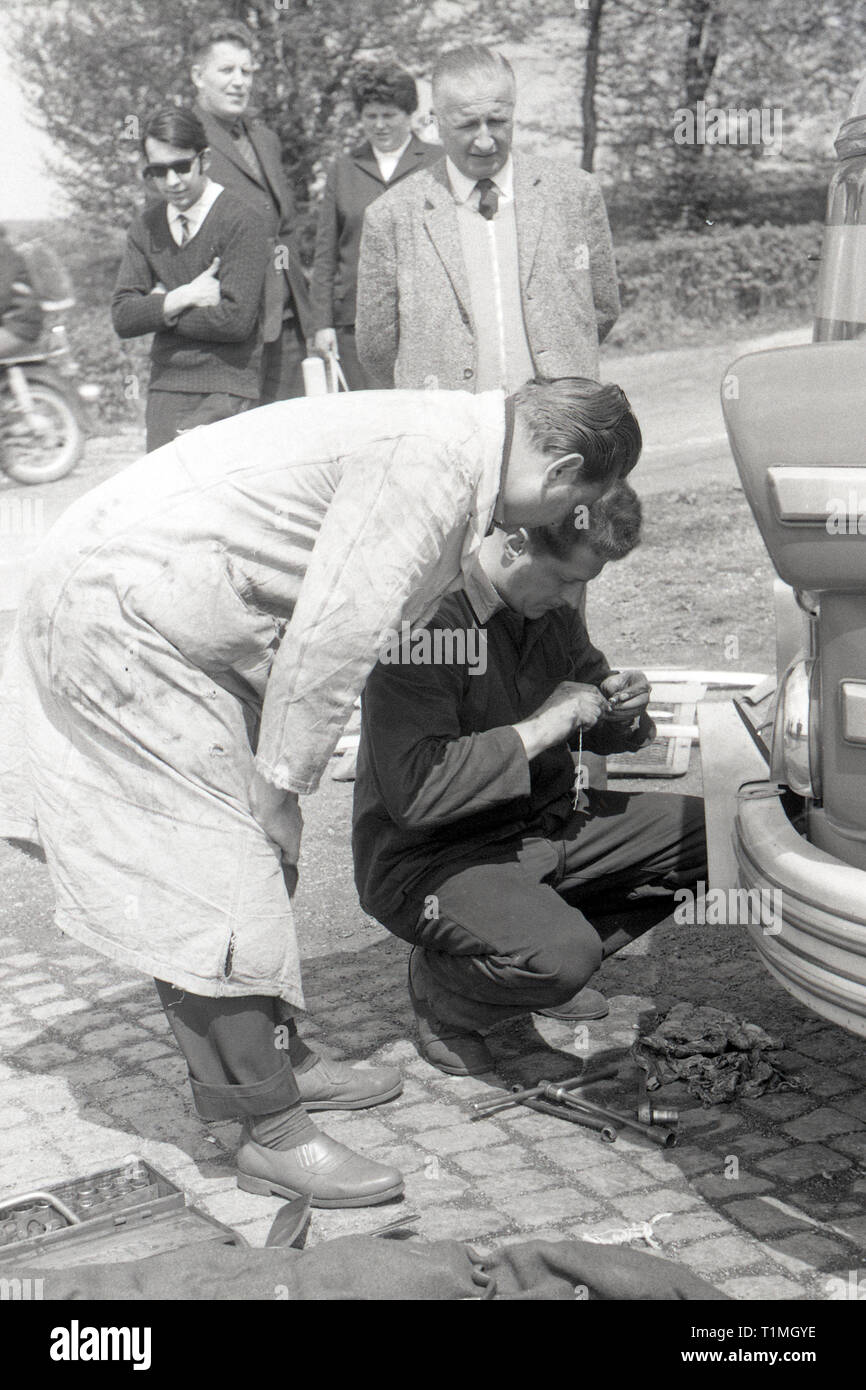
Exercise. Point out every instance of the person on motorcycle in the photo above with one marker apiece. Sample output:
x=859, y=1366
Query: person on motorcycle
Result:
x=20, y=310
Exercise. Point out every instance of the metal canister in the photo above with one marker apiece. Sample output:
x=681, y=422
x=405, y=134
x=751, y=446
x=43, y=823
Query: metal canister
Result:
x=650, y=1114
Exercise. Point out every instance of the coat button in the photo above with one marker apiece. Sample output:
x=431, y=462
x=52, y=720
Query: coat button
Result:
x=467, y=373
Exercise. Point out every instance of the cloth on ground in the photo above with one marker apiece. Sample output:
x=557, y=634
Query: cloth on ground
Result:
x=363, y=1268
x=720, y=1057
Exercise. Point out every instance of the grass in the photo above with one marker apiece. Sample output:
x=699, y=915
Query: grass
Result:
x=697, y=592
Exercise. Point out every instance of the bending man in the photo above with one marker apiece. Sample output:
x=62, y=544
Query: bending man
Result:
x=171, y=719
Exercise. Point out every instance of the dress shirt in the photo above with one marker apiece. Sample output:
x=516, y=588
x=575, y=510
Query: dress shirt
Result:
x=465, y=189
x=388, y=160
x=193, y=216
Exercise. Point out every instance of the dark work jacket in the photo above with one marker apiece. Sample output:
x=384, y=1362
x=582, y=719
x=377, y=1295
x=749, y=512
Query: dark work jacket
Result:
x=443, y=780
x=354, y=182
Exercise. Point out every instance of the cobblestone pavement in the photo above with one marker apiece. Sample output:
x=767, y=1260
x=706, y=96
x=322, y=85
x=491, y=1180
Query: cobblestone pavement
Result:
x=767, y=1198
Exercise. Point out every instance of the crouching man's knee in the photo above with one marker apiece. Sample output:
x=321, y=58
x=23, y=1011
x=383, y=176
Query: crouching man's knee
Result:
x=563, y=971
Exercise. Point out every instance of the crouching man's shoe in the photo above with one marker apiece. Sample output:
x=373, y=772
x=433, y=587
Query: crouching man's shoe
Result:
x=330, y=1085
x=322, y=1169
x=582, y=1007
x=451, y=1047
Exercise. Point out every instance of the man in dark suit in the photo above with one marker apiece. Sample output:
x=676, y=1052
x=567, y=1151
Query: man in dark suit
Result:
x=245, y=159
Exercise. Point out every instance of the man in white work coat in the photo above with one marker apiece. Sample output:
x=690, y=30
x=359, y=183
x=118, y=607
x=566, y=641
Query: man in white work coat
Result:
x=171, y=718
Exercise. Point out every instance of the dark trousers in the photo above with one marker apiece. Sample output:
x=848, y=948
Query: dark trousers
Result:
x=282, y=377
x=239, y=1051
x=515, y=933
x=170, y=413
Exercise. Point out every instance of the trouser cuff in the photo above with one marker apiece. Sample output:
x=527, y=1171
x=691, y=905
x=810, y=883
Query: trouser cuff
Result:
x=228, y=1102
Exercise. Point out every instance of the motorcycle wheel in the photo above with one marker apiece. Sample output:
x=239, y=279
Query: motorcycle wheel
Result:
x=46, y=445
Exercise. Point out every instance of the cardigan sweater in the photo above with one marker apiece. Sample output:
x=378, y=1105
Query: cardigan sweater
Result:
x=205, y=350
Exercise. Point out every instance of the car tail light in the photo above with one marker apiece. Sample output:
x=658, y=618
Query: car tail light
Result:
x=796, y=748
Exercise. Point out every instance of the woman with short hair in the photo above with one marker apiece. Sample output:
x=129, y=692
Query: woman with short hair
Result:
x=385, y=98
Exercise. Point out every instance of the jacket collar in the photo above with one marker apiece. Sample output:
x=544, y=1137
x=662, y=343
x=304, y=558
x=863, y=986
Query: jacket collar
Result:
x=220, y=137
x=441, y=222
x=530, y=212
x=410, y=159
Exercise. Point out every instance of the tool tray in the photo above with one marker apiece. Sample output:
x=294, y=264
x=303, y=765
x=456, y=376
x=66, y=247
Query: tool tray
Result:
x=116, y=1214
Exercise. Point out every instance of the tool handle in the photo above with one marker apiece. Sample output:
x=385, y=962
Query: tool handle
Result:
x=575, y=1117
x=39, y=1196
x=571, y=1083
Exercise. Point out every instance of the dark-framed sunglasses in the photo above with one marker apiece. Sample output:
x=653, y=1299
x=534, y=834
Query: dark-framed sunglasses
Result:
x=152, y=172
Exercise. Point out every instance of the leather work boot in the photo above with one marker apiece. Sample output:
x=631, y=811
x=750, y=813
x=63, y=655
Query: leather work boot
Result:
x=328, y=1085
x=323, y=1170
x=451, y=1047
x=587, y=1004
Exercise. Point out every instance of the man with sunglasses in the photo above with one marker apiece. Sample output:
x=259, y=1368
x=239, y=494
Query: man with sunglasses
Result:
x=192, y=275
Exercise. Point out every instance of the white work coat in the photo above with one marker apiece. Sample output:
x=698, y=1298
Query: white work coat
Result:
x=152, y=639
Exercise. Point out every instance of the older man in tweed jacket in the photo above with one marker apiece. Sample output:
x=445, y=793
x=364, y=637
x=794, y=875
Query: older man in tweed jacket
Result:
x=484, y=270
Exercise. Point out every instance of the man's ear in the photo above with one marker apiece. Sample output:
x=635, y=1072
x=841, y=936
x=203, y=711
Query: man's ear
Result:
x=195, y=74
x=514, y=545
x=205, y=160
x=563, y=471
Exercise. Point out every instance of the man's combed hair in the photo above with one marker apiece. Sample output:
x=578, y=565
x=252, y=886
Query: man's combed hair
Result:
x=175, y=125
x=574, y=415
x=612, y=527
x=384, y=85
x=462, y=64
x=220, y=31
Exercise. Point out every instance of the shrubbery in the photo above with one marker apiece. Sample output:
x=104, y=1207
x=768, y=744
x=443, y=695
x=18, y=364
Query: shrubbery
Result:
x=673, y=284
x=728, y=276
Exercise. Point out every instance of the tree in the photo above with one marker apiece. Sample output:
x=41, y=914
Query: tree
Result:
x=94, y=70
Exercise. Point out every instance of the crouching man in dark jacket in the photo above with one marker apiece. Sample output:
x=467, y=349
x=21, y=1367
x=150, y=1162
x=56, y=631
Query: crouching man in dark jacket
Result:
x=475, y=837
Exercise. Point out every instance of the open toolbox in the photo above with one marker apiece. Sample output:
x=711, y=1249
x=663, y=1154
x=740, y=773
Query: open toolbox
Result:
x=121, y=1213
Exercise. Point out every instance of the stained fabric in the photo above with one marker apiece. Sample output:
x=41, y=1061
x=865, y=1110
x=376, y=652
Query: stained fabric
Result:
x=245, y=572
x=719, y=1057
x=365, y=1269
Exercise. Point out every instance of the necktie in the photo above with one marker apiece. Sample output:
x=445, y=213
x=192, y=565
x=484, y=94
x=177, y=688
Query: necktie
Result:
x=183, y=222
x=488, y=203
x=246, y=149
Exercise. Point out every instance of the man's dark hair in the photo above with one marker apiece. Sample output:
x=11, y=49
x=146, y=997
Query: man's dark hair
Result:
x=458, y=64
x=220, y=31
x=574, y=415
x=175, y=125
x=386, y=85
x=612, y=527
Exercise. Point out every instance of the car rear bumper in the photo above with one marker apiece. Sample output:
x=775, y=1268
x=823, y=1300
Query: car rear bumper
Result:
x=816, y=947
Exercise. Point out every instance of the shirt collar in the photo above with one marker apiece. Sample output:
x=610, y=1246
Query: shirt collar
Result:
x=196, y=214
x=462, y=186
x=390, y=157
x=483, y=596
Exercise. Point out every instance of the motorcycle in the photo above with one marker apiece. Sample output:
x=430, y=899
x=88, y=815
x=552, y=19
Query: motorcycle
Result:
x=42, y=409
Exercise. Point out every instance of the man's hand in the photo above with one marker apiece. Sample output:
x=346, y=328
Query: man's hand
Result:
x=204, y=290
x=628, y=693
x=325, y=342
x=279, y=815
x=201, y=293
x=571, y=706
